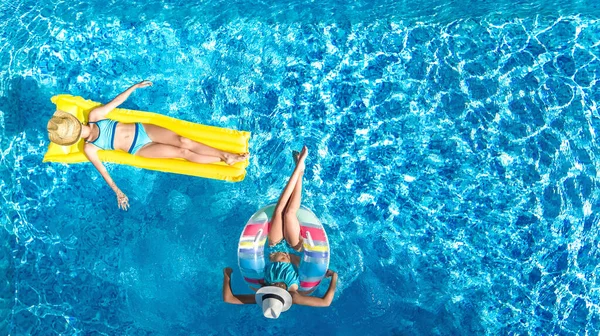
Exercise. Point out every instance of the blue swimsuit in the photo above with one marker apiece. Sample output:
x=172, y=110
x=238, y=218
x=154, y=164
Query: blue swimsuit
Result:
x=106, y=135
x=281, y=271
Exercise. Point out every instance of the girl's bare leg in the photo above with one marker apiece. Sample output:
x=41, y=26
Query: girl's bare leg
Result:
x=165, y=136
x=276, y=229
x=291, y=225
x=162, y=151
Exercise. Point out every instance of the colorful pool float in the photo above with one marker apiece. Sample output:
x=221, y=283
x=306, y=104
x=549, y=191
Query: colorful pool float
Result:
x=315, y=257
x=221, y=138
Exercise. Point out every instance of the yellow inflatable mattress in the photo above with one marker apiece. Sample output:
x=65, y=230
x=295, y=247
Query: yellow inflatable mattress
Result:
x=221, y=138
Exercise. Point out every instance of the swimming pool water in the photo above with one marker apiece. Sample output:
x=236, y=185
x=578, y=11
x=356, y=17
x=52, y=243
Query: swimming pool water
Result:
x=452, y=160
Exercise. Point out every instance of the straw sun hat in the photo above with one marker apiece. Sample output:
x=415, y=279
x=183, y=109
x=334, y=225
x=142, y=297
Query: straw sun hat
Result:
x=64, y=129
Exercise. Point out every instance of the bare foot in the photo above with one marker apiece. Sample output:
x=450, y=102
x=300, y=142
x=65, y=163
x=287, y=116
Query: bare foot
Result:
x=303, y=153
x=301, y=157
x=235, y=158
x=295, y=155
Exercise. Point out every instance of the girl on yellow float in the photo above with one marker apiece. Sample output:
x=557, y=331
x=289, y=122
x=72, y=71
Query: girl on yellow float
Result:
x=145, y=140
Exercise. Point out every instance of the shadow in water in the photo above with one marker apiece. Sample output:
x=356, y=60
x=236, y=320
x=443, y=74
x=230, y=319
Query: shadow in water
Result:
x=7, y=290
x=25, y=107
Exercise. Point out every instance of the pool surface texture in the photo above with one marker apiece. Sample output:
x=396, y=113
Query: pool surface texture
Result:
x=452, y=162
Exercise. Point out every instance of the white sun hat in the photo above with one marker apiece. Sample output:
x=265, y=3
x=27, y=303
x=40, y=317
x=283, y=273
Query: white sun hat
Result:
x=273, y=300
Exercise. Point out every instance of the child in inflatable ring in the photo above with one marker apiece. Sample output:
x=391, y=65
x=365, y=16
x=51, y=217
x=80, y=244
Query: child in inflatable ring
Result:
x=145, y=140
x=280, y=287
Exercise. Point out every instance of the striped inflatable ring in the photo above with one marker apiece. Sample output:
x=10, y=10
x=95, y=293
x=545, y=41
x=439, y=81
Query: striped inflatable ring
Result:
x=251, y=248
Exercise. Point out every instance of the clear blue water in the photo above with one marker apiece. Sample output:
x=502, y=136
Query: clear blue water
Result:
x=453, y=162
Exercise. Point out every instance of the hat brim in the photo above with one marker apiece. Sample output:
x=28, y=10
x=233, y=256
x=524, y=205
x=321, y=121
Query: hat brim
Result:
x=71, y=139
x=285, y=295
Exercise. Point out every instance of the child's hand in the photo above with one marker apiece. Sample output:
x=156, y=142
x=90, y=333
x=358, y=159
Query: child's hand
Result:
x=143, y=84
x=122, y=200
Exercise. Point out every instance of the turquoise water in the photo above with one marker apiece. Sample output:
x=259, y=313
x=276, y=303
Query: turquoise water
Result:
x=452, y=162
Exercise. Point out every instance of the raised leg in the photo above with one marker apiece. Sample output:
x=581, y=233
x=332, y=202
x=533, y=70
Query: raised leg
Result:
x=291, y=225
x=276, y=229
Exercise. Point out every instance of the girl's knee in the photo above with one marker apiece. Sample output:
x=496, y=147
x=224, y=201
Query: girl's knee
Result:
x=290, y=212
x=185, y=154
x=184, y=142
x=279, y=210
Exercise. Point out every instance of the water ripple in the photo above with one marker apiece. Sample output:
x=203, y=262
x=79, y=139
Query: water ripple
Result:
x=453, y=163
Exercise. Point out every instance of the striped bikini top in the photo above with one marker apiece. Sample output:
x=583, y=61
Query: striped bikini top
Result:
x=106, y=133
